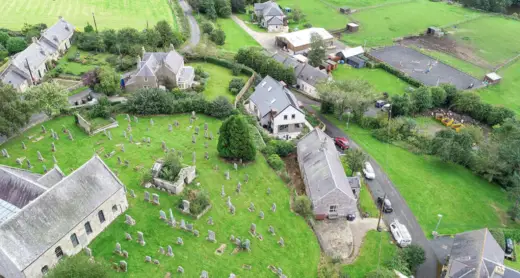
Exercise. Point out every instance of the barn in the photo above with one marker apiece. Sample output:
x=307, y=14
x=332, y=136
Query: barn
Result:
x=299, y=41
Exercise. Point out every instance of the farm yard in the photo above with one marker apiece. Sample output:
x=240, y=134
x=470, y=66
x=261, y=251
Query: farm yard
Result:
x=197, y=253
x=109, y=14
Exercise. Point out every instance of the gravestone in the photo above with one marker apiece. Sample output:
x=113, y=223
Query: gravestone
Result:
x=239, y=187
x=193, y=157
x=210, y=135
x=205, y=145
x=183, y=224
x=247, y=245
x=53, y=147
x=273, y=207
x=210, y=221
x=229, y=201
x=163, y=145
x=132, y=193
x=238, y=242
x=148, y=259
x=196, y=233
x=251, y=207
x=197, y=130
x=54, y=159
x=161, y=250
x=206, y=155
x=119, y=160
x=261, y=215
x=204, y=274
x=232, y=238
x=269, y=191
x=191, y=121
x=28, y=164
x=227, y=175
x=127, y=163
x=136, y=119
x=186, y=206
x=149, y=141
x=193, y=139
x=271, y=230
x=123, y=266
x=140, y=238
x=88, y=252
x=252, y=229
x=123, y=148
x=43, y=129
x=169, y=251
x=124, y=133
x=211, y=236
x=232, y=275
x=70, y=136
x=152, y=122
x=155, y=198
x=246, y=178
x=235, y=166
x=128, y=236
x=162, y=215
x=179, y=241
x=172, y=219
x=23, y=146
x=129, y=220
x=222, y=192
x=193, y=116
x=5, y=153
x=146, y=196
x=206, y=134
x=131, y=138
x=205, y=126
x=176, y=123
x=232, y=209
x=40, y=157
x=128, y=118
x=117, y=250
x=125, y=253
x=44, y=169
x=170, y=128
x=280, y=271
x=281, y=242
x=216, y=167
x=189, y=227
x=19, y=161
x=180, y=269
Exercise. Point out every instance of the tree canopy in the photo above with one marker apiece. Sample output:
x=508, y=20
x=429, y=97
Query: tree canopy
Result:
x=14, y=112
x=235, y=140
x=317, y=53
x=355, y=95
x=79, y=266
x=49, y=98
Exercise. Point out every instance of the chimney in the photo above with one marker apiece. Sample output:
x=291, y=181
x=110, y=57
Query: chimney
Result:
x=34, y=39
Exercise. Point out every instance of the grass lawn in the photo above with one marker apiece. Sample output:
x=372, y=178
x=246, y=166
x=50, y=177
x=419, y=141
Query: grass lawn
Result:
x=377, y=249
x=511, y=264
x=218, y=82
x=457, y=63
x=78, y=90
x=362, y=3
x=366, y=202
x=115, y=14
x=197, y=254
x=317, y=13
x=90, y=61
x=380, y=26
x=236, y=37
x=505, y=93
x=380, y=79
x=431, y=186
x=494, y=39
x=246, y=18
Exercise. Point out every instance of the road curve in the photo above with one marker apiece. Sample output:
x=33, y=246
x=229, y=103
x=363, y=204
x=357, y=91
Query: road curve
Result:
x=194, y=26
x=381, y=185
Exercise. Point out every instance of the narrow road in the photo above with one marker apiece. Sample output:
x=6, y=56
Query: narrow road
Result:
x=381, y=185
x=194, y=26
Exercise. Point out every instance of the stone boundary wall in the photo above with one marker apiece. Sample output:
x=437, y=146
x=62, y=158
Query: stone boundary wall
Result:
x=83, y=124
x=244, y=89
x=114, y=124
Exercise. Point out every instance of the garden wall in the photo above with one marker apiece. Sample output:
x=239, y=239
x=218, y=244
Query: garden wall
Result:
x=245, y=89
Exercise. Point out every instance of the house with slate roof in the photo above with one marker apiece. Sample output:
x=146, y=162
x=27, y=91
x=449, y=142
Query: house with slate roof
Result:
x=29, y=66
x=157, y=69
x=277, y=109
x=332, y=193
x=44, y=217
x=271, y=17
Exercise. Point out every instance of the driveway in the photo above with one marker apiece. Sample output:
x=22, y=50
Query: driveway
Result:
x=381, y=185
x=266, y=40
x=194, y=26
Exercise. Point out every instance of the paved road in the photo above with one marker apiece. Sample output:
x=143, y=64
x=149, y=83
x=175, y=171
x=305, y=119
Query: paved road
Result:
x=381, y=185
x=194, y=26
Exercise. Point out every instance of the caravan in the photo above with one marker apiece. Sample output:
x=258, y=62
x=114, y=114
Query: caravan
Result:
x=400, y=234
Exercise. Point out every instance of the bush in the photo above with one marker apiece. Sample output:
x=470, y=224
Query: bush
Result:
x=275, y=162
x=282, y=147
x=307, y=25
x=327, y=107
x=220, y=108
x=101, y=110
x=150, y=102
x=171, y=167
x=79, y=266
x=218, y=37
x=15, y=45
x=207, y=27
x=236, y=84
x=236, y=69
x=380, y=273
x=499, y=236
x=235, y=140
x=438, y=96
x=400, y=75
x=200, y=202
x=303, y=206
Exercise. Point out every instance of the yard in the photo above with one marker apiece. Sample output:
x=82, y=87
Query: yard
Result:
x=376, y=250
x=380, y=26
x=236, y=37
x=505, y=93
x=115, y=14
x=431, y=186
x=381, y=80
x=318, y=13
x=196, y=254
x=218, y=82
x=88, y=61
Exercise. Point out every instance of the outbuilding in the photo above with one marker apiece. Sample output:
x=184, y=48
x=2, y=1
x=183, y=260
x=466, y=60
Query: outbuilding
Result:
x=356, y=62
x=350, y=52
x=352, y=27
x=492, y=78
x=345, y=10
x=299, y=41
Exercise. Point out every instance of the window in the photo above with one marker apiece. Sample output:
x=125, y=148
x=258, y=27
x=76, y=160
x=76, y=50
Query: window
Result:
x=45, y=269
x=58, y=252
x=146, y=79
x=88, y=228
x=146, y=87
x=293, y=116
x=285, y=117
x=74, y=240
x=39, y=74
x=297, y=125
x=101, y=216
x=114, y=208
x=333, y=208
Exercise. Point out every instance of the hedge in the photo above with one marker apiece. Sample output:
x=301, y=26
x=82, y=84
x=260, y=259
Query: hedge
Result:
x=399, y=74
x=217, y=61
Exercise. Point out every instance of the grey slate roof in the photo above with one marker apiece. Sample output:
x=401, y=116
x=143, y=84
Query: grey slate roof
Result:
x=145, y=71
x=322, y=166
x=18, y=188
x=58, y=32
x=12, y=77
x=186, y=73
x=270, y=95
x=39, y=225
x=275, y=21
x=287, y=61
x=269, y=8
x=52, y=177
x=152, y=62
x=309, y=74
x=173, y=60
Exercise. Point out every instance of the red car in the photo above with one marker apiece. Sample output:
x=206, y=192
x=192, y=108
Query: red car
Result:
x=341, y=142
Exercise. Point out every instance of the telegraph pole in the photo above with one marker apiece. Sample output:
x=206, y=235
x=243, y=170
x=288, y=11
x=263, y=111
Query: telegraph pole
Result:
x=95, y=24
x=380, y=214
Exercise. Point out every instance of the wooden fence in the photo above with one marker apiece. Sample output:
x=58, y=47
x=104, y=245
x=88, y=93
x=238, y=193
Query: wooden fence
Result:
x=245, y=89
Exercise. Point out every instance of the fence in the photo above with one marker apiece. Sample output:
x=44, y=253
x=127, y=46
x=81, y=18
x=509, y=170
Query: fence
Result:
x=245, y=89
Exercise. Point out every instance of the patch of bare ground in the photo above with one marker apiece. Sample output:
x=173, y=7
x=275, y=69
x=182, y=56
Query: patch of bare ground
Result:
x=293, y=169
x=504, y=218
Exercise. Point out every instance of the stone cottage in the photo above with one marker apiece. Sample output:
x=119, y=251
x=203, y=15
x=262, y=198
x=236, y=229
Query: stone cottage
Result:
x=44, y=217
x=271, y=17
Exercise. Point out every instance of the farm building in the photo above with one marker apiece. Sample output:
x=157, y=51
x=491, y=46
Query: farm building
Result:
x=352, y=27
x=434, y=31
x=326, y=184
x=46, y=217
x=345, y=10
x=356, y=62
x=350, y=52
x=492, y=78
x=300, y=41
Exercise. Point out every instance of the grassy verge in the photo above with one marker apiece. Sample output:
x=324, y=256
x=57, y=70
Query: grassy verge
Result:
x=78, y=90
x=366, y=202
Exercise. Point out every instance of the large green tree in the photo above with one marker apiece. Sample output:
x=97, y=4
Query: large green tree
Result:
x=421, y=100
x=356, y=160
x=49, y=98
x=79, y=266
x=235, y=140
x=223, y=8
x=355, y=95
x=318, y=51
x=15, y=45
x=108, y=81
x=14, y=112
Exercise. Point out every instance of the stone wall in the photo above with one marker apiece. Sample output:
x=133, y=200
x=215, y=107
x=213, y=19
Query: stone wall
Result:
x=114, y=124
x=83, y=124
x=186, y=176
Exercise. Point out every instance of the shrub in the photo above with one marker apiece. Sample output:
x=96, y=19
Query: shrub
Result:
x=307, y=25
x=236, y=69
x=220, y=108
x=282, y=147
x=15, y=45
x=303, y=206
x=499, y=236
x=147, y=177
x=275, y=162
x=421, y=100
x=199, y=203
x=400, y=75
x=101, y=110
x=235, y=140
x=207, y=27
x=149, y=102
x=327, y=107
x=438, y=96
x=236, y=84
x=380, y=273
x=218, y=37
x=79, y=266
x=171, y=167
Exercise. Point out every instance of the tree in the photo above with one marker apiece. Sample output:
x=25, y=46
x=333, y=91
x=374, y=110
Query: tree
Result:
x=88, y=28
x=223, y=8
x=208, y=7
x=15, y=45
x=275, y=162
x=355, y=95
x=238, y=6
x=438, y=96
x=235, y=85
x=168, y=36
x=414, y=256
x=149, y=102
x=79, y=266
x=401, y=105
x=171, y=167
x=207, y=27
x=455, y=147
x=3, y=38
x=109, y=38
x=152, y=37
x=14, y=112
x=220, y=108
x=303, y=206
x=235, y=140
x=421, y=100
x=356, y=159
x=90, y=42
x=48, y=97
x=317, y=52
x=218, y=37
x=297, y=15
x=108, y=81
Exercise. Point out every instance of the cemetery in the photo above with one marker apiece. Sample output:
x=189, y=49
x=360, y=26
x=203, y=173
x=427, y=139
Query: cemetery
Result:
x=245, y=227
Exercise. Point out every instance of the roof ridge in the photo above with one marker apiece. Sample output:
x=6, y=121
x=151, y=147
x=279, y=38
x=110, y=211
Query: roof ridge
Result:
x=24, y=178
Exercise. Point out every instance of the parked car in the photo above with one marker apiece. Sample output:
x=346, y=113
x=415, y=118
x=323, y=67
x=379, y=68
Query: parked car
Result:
x=342, y=142
x=369, y=171
x=386, y=204
x=509, y=246
x=400, y=234
x=380, y=103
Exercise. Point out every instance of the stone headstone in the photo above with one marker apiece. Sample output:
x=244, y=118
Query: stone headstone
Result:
x=176, y=123
x=136, y=119
x=123, y=148
x=179, y=241
x=119, y=161
x=239, y=187
x=169, y=251
x=131, y=138
x=251, y=207
x=170, y=128
x=210, y=221
x=280, y=271
x=128, y=118
x=180, y=269
x=193, y=139
x=163, y=146
x=88, y=252
x=232, y=275
x=261, y=215
x=155, y=199
x=196, y=233
x=40, y=157
x=281, y=242
x=186, y=206
x=204, y=274
x=235, y=166
x=222, y=192
x=6, y=153
x=229, y=201
x=246, y=178
x=132, y=193
x=189, y=227
x=205, y=145
x=125, y=253
x=152, y=122
x=54, y=159
x=43, y=129
x=44, y=169
x=194, y=157
x=140, y=238
x=19, y=161
x=271, y=229
x=205, y=126
x=23, y=146
x=216, y=167
x=156, y=261
x=197, y=130
x=124, y=133
x=247, y=245
x=238, y=242
x=171, y=221
x=161, y=250
x=193, y=114
x=206, y=155
x=269, y=191
x=129, y=220
x=206, y=134
x=28, y=162
x=183, y=224
x=232, y=238
x=232, y=209
x=123, y=266
x=117, y=250
x=210, y=135
x=273, y=207
x=53, y=147
x=227, y=175
x=127, y=163
x=128, y=236
x=252, y=229
x=148, y=259
x=211, y=236
x=70, y=136
x=162, y=215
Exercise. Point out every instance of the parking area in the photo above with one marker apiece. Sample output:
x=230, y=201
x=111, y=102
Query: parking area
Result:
x=424, y=68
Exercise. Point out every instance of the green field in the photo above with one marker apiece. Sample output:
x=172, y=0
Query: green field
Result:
x=505, y=93
x=362, y=3
x=218, y=82
x=317, y=13
x=377, y=249
x=197, y=254
x=431, y=186
x=380, y=26
x=109, y=14
x=380, y=79
x=494, y=39
x=236, y=37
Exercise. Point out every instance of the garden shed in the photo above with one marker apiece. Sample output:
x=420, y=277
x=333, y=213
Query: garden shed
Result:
x=356, y=62
x=492, y=78
x=352, y=27
x=345, y=10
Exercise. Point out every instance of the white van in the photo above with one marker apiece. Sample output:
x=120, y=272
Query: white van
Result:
x=369, y=171
x=400, y=234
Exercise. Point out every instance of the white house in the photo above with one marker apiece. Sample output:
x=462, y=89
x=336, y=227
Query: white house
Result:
x=29, y=66
x=44, y=217
x=277, y=109
x=271, y=17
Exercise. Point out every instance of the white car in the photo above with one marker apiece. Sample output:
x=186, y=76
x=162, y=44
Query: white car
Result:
x=400, y=234
x=369, y=171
